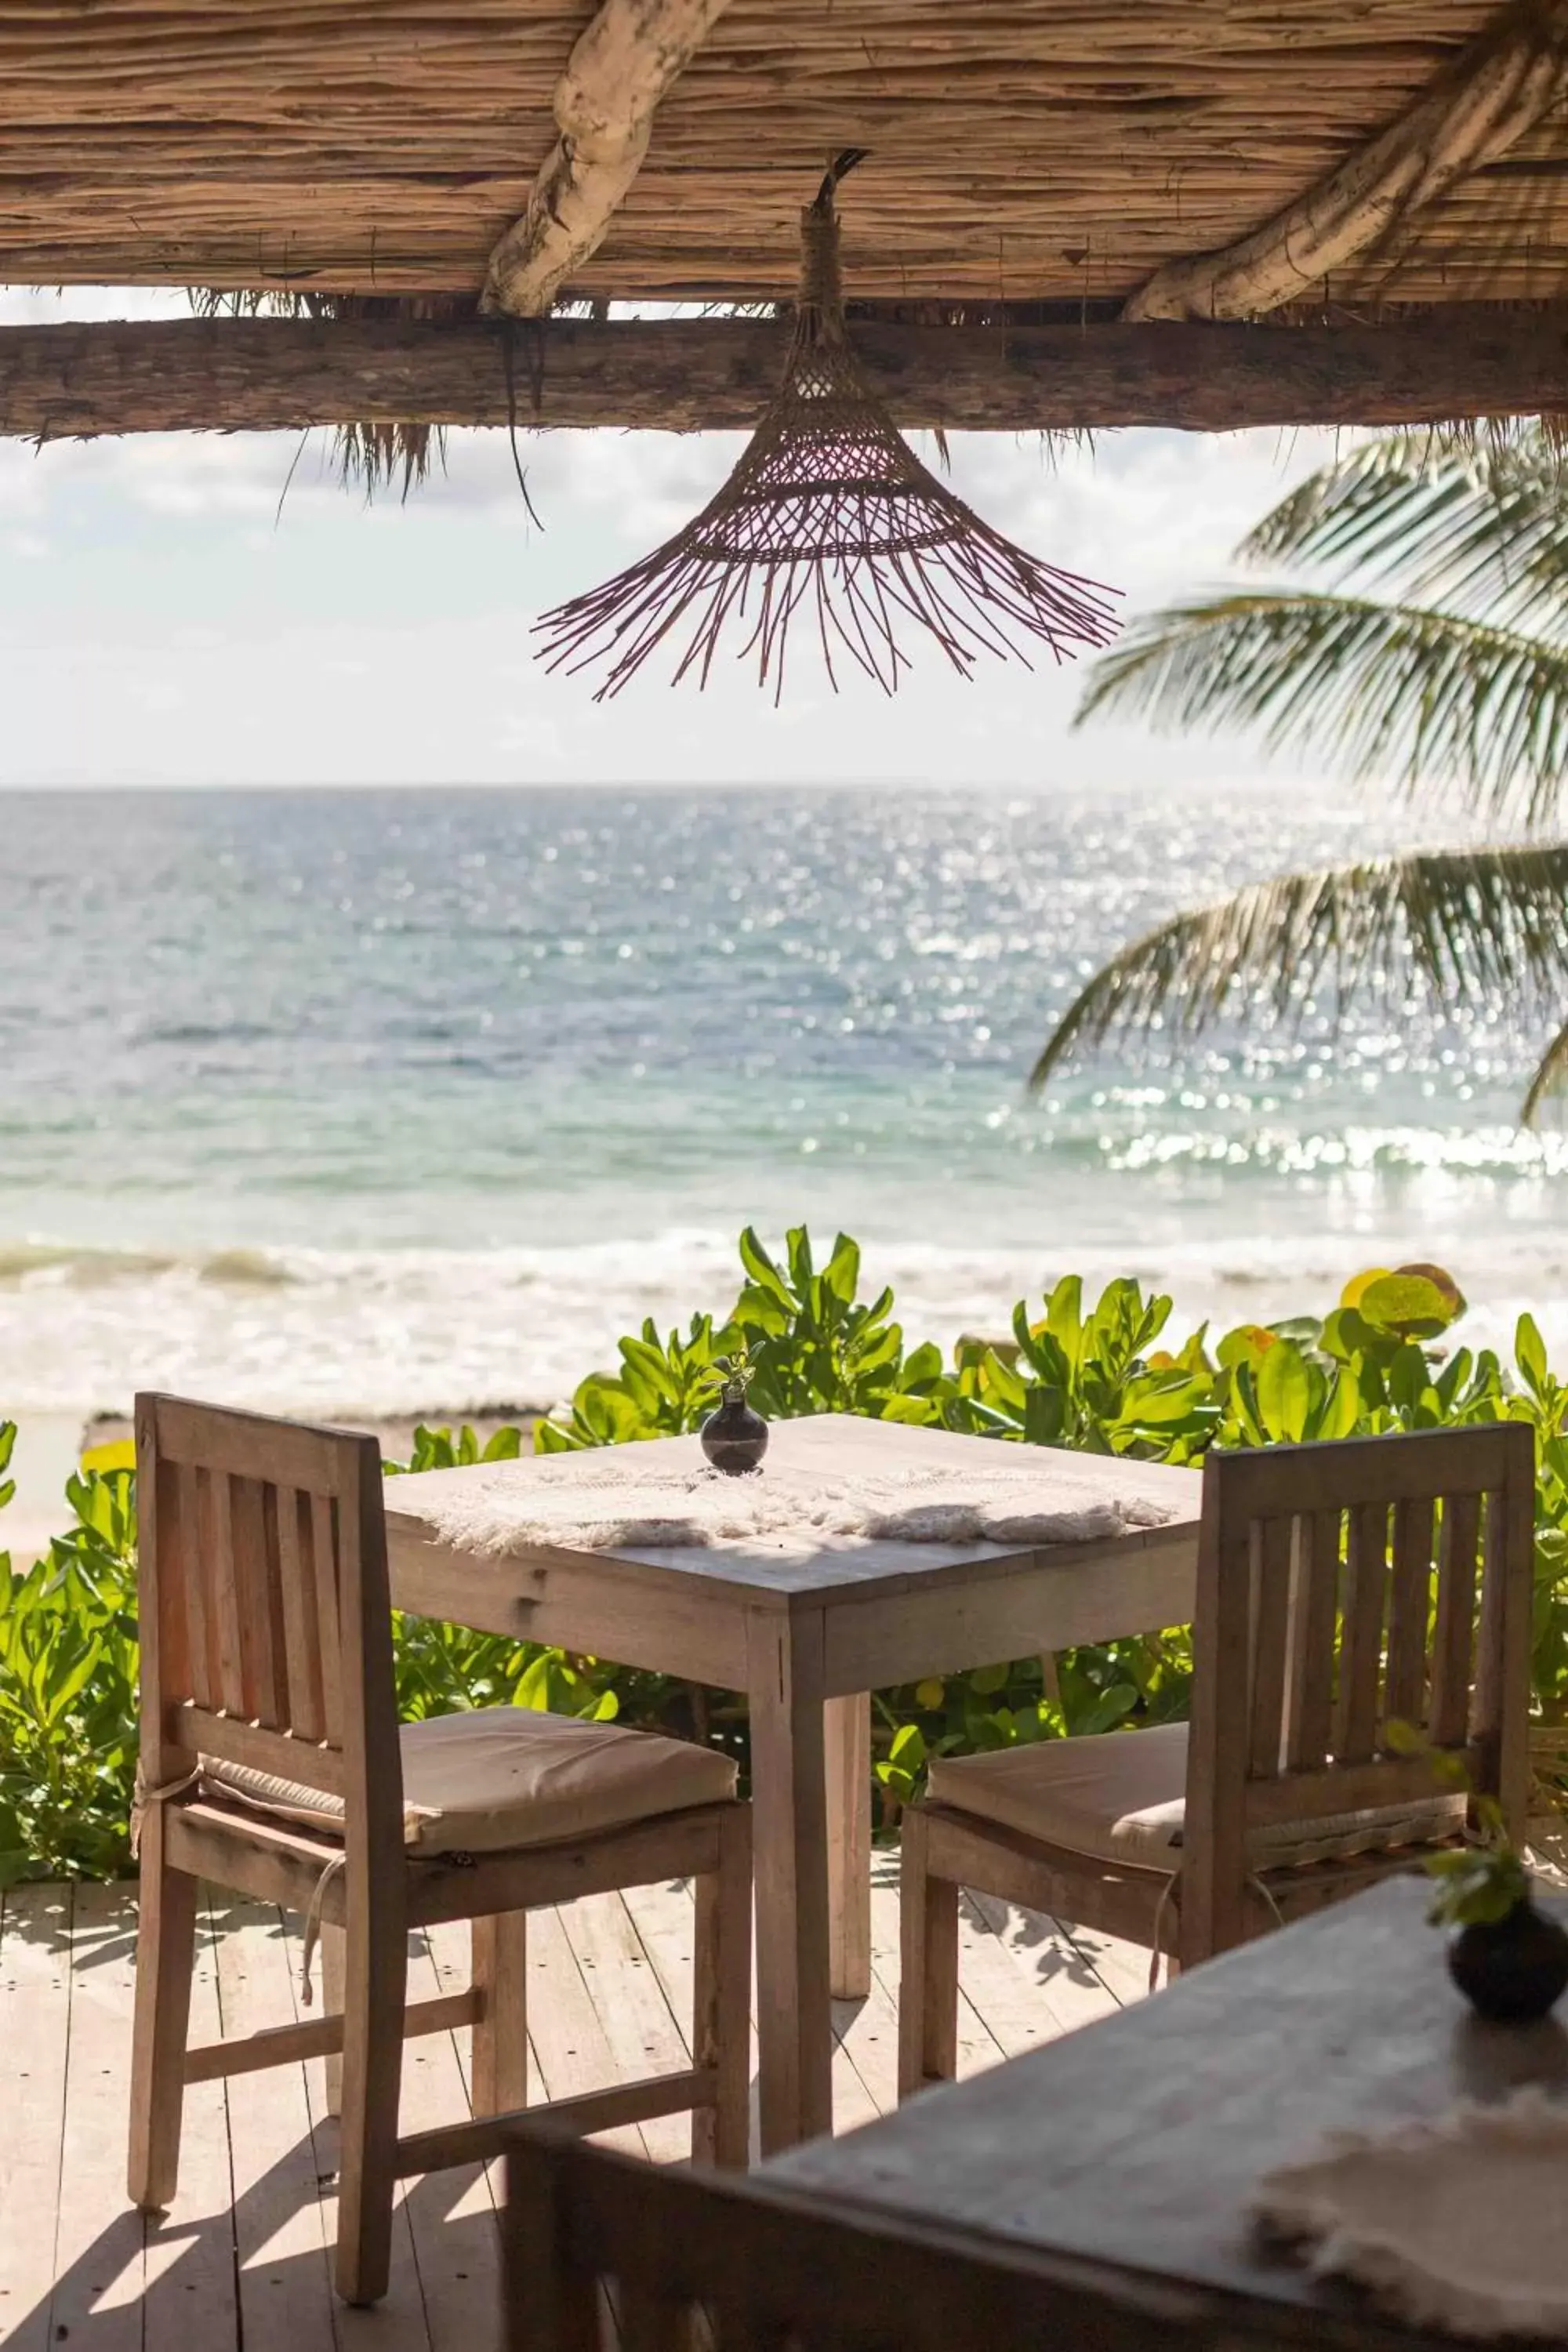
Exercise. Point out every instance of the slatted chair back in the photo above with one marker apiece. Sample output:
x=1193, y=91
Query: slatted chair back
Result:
x=1343, y=1587
x=266, y=1611
x=604, y=2253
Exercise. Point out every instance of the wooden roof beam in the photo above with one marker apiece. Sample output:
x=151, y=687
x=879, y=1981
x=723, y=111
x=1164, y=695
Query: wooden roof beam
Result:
x=276, y=374
x=1500, y=87
x=604, y=105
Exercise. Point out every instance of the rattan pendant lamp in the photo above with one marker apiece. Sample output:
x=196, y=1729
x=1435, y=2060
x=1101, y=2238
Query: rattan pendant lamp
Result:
x=828, y=510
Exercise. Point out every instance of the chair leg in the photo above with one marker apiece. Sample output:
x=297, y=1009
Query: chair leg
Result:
x=928, y=1984
x=499, y=2080
x=375, y=1989
x=722, y=1997
x=165, y=1956
x=1194, y=1940
x=334, y=1958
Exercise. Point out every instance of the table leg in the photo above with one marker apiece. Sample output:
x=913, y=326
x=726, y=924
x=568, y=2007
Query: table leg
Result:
x=849, y=1845
x=789, y=1819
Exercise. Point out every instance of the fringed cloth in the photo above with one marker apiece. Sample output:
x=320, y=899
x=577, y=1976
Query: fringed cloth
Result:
x=1455, y=2224
x=615, y=1498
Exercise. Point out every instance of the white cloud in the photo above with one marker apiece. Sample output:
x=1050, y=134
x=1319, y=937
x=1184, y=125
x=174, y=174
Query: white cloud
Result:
x=47, y=306
x=183, y=628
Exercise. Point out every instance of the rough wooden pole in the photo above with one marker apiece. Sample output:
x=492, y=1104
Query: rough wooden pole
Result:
x=1475, y=113
x=273, y=375
x=604, y=103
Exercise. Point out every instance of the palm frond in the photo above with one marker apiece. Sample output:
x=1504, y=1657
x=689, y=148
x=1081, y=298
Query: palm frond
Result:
x=1435, y=514
x=375, y=458
x=1551, y=1077
x=1391, y=690
x=1478, y=926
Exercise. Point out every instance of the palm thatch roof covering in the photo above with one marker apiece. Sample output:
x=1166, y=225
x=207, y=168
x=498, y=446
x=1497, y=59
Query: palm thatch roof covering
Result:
x=1029, y=163
x=1017, y=152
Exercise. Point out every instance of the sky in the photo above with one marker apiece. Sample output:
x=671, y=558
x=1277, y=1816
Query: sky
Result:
x=166, y=619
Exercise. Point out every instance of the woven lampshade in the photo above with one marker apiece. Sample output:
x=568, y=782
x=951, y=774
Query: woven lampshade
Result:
x=828, y=508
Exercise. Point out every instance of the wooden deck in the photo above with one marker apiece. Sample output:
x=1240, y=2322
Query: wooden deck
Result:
x=241, y=2260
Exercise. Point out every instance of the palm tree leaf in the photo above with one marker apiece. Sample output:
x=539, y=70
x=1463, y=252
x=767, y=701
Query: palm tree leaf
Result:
x=1484, y=927
x=1379, y=688
x=1437, y=514
x=1551, y=1077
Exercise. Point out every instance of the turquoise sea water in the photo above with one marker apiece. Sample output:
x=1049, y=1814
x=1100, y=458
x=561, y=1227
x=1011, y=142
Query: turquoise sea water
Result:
x=388, y=1101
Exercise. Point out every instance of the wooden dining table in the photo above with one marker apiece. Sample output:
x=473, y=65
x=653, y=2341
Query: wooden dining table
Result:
x=807, y=1634
x=1123, y=2160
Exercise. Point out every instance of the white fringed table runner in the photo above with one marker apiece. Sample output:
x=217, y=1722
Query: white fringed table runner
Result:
x=1457, y=2225
x=607, y=1500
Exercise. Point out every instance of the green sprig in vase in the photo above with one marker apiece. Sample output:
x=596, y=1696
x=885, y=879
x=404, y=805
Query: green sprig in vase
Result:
x=1506, y=1956
x=735, y=1438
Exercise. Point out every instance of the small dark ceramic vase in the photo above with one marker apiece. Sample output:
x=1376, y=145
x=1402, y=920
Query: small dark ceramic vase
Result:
x=735, y=1438
x=1511, y=1970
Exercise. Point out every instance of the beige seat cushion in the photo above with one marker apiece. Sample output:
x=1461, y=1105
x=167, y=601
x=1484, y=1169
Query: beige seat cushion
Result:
x=1122, y=1797
x=502, y=1777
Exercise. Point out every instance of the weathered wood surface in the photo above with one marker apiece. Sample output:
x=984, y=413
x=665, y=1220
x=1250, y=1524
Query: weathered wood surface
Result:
x=1163, y=2123
x=826, y=1445
x=618, y=71
x=798, y=1631
x=684, y=375
x=609, y=1997
x=1139, y=2143
x=1265, y=1655
x=224, y=1566
x=1477, y=110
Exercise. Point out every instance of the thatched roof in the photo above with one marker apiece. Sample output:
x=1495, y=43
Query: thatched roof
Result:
x=1041, y=188
x=1020, y=149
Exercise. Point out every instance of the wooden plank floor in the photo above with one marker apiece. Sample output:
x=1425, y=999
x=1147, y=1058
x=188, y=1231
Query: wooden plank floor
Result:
x=242, y=2259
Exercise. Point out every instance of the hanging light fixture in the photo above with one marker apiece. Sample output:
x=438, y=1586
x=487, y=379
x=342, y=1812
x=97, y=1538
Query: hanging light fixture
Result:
x=828, y=511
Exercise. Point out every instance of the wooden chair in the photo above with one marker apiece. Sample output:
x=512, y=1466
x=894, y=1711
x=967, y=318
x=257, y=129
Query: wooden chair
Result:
x=1312, y=1632
x=272, y=1763
x=600, y=2253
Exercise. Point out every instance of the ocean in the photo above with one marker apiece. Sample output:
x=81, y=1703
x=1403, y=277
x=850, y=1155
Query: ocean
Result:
x=373, y=1103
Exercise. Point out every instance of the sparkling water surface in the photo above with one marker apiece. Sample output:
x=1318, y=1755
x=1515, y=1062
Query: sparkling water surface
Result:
x=391, y=1101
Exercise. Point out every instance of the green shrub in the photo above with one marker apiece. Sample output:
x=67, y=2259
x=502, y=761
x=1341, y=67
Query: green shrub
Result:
x=68, y=1689
x=1093, y=1378
x=437, y=1449
x=817, y=1349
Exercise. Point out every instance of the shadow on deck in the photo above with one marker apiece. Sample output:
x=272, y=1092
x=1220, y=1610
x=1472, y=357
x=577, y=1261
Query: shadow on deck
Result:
x=243, y=2258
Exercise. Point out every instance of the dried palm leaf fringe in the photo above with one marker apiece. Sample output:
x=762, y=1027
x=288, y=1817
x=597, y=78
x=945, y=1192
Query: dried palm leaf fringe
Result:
x=371, y=457
x=828, y=508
